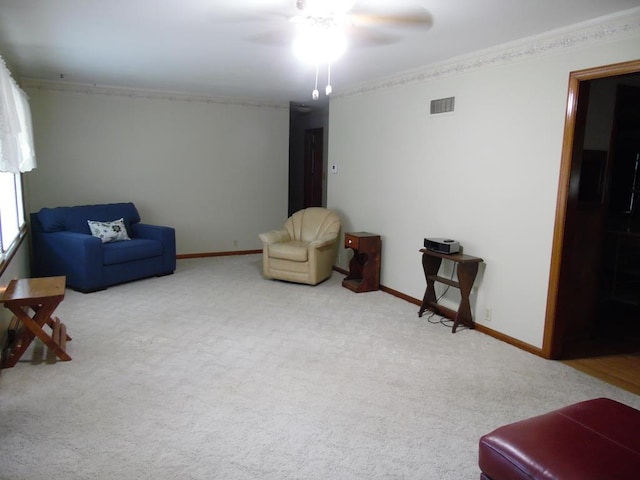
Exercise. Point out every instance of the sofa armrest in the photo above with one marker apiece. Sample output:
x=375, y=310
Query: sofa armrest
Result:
x=165, y=235
x=274, y=236
x=78, y=256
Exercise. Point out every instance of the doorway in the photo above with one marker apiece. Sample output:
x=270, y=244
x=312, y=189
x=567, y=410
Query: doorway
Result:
x=581, y=317
x=308, y=148
x=313, y=167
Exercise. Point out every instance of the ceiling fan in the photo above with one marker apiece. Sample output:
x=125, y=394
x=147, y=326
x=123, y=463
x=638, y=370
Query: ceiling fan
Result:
x=324, y=28
x=403, y=12
x=360, y=16
x=317, y=7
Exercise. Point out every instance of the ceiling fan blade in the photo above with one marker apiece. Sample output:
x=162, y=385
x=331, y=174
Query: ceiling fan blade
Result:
x=364, y=29
x=418, y=18
x=363, y=38
x=324, y=8
x=276, y=38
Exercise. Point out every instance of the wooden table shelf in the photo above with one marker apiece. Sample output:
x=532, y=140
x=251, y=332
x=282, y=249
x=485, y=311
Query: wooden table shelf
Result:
x=445, y=280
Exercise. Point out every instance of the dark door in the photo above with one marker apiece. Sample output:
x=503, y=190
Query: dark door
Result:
x=575, y=310
x=625, y=149
x=313, y=167
x=579, y=275
x=622, y=253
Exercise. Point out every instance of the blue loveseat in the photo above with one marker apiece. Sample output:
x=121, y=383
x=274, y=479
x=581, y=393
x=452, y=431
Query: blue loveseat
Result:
x=62, y=244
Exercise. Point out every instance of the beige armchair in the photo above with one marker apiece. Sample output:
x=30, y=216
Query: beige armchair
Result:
x=304, y=250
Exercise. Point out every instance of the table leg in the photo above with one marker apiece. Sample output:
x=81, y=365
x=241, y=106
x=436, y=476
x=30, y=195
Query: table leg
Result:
x=431, y=266
x=54, y=322
x=466, y=276
x=33, y=328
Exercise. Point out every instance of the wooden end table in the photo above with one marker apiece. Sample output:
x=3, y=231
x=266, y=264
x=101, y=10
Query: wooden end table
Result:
x=364, y=267
x=33, y=301
x=467, y=269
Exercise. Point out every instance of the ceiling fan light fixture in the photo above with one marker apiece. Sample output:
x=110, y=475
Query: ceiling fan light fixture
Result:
x=321, y=37
x=318, y=43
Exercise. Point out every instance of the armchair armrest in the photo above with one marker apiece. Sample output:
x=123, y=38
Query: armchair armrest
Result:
x=274, y=236
x=323, y=241
x=165, y=235
x=322, y=253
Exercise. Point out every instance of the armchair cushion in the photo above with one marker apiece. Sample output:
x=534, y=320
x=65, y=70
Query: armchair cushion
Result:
x=304, y=250
x=294, y=250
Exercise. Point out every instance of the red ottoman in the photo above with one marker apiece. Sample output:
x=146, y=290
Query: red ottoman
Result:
x=593, y=440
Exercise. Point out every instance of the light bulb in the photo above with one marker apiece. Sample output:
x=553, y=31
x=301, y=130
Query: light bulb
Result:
x=328, y=90
x=315, y=95
x=319, y=43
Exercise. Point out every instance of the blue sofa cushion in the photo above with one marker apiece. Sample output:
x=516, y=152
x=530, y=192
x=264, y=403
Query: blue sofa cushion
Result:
x=131, y=250
x=74, y=219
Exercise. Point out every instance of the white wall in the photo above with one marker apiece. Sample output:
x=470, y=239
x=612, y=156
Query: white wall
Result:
x=216, y=172
x=486, y=175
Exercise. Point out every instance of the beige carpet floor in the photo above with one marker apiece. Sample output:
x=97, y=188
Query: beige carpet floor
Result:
x=215, y=373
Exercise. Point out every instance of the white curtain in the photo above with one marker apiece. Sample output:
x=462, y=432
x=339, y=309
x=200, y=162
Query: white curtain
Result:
x=16, y=132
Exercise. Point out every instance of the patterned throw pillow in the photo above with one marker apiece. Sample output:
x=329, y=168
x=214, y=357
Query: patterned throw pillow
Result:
x=109, y=231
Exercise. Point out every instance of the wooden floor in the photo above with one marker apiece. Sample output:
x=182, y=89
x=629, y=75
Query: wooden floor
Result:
x=613, y=355
x=621, y=370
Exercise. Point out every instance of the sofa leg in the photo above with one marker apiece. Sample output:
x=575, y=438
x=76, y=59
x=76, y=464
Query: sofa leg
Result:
x=90, y=290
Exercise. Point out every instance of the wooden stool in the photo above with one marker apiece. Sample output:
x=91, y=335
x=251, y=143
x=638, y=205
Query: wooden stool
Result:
x=39, y=297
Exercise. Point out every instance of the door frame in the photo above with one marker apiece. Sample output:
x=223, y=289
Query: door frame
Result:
x=552, y=340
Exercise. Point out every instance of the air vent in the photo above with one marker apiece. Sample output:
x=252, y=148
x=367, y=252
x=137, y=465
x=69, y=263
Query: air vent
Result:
x=443, y=105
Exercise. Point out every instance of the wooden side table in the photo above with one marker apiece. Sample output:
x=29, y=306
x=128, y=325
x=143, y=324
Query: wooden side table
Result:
x=38, y=297
x=467, y=269
x=364, y=267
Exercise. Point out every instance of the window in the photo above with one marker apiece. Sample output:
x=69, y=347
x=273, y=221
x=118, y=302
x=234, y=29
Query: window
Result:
x=16, y=156
x=11, y=212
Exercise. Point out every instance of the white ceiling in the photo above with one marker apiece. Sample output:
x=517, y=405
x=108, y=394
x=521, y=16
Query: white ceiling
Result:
x=240, y=48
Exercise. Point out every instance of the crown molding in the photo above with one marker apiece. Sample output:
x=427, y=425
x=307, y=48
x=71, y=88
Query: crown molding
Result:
x=582, y=35
x=106, y=90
